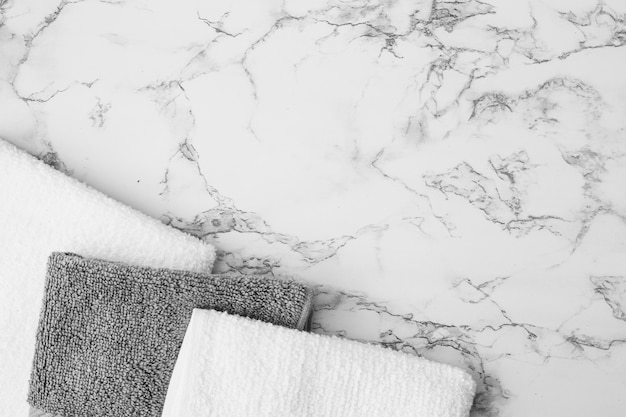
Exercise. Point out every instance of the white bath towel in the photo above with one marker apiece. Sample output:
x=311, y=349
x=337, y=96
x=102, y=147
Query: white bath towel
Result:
x=43, y=210
x=231, y=366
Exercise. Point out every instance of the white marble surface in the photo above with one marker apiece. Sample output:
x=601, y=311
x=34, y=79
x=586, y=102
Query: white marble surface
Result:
x=449, y=174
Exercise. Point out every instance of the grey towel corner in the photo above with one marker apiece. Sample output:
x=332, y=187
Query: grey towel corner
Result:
x=109, y=333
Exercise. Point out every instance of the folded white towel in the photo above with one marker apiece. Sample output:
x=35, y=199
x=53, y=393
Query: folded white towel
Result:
x=231, y=366
x=43, y=210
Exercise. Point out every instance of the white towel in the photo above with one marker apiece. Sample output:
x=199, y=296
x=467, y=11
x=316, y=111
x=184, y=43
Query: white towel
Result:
x=231, y=366
x=43, y=210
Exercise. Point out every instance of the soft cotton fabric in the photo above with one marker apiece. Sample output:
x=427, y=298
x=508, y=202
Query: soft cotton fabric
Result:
x=231, y=366
x=109, y=333
x=43, y=210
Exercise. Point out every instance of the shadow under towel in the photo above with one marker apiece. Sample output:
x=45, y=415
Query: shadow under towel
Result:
x=109, y=333
x=237, y=367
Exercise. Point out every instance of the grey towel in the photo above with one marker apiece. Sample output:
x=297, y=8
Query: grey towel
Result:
x=109, y=333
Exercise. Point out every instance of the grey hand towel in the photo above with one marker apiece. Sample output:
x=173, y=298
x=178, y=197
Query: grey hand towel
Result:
x=109, y=333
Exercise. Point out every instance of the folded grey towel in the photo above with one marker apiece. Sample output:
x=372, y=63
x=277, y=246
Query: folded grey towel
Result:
x=109, y=333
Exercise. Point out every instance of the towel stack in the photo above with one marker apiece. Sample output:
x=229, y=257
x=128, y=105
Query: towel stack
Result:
x=42, y=211
x=133, y=323
x=109, y=333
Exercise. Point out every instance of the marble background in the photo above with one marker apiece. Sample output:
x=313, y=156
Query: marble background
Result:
x=450, y=175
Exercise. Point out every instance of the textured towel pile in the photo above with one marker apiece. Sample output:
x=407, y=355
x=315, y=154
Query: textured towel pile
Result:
x=109, y=333
x=230, y=366
x=122, y=293
x=43, y=210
